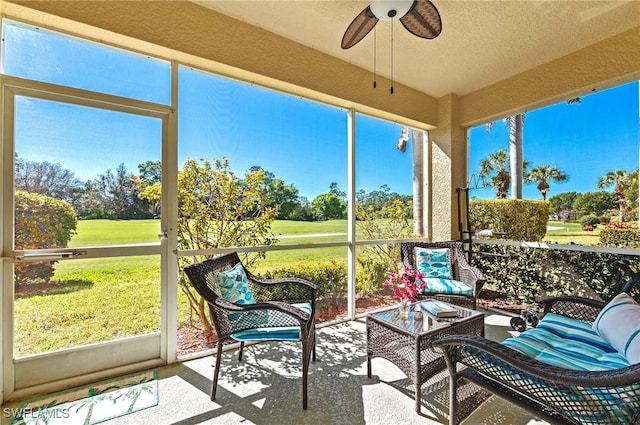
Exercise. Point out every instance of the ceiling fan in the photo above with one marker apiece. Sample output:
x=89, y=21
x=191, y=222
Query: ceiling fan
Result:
x=419, y=17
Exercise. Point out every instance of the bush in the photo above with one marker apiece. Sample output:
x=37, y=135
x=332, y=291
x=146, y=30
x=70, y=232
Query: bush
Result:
x=518, y=219
x=589, y=220
x=41, y=222
x=620, y=237
x=525, y=272
x=604, y=219
x=330, y=277
x=371, y=274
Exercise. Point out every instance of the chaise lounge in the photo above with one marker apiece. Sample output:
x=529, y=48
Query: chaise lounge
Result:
x=579, y=365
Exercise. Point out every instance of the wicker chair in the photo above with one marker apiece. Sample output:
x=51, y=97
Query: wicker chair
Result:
x=554, y=394
x=288, y=304
x=462, y=271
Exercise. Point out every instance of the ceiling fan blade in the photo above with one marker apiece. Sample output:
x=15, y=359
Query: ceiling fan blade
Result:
x=423, y=20
x=359, y=28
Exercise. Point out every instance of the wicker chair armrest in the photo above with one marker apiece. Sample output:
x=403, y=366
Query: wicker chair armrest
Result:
x=472, y=276
x=580, y=308
x=478, y=350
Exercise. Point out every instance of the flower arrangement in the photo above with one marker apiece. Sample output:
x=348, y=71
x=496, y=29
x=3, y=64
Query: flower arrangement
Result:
x=406, y=285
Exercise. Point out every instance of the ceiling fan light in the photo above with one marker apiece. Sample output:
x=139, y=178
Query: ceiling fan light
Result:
x=388, y=10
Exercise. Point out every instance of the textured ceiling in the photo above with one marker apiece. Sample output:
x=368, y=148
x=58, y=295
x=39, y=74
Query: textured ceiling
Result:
x=482, y=42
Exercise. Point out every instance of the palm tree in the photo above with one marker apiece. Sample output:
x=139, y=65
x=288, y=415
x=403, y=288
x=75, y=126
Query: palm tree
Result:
x=494, y=169
x=543, y=174
x=516, y=161
x=621, y=180
x=419, y=139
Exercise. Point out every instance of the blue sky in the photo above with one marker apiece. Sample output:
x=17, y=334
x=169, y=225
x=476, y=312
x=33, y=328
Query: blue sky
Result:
x=300, y=141
x=585, y=140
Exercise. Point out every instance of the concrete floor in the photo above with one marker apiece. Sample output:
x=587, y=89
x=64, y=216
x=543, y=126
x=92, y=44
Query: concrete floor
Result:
x=266, y=388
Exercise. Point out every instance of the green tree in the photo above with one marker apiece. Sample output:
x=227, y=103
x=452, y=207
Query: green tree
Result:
x=114, y=196
x=392, y=221
x=47, y=179
x=328, y=206
x=597, y=203
x=218, y=209
x=632, y=190
x=516, y=163
x=151, y=171
x=562, y=204
x=494, y=169
x=281, y=195
x=621, y=180
x=543, y=174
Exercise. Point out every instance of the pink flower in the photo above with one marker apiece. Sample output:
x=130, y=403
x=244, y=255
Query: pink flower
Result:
x=407, y=285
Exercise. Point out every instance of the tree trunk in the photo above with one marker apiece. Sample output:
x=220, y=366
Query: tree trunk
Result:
x=515, y=155
x=417, y=151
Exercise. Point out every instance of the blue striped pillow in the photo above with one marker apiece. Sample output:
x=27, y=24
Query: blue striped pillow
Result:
x=436, y=285
x=619, y=324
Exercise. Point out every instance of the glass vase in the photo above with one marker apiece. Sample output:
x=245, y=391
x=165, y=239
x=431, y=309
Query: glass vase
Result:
x=403, y=308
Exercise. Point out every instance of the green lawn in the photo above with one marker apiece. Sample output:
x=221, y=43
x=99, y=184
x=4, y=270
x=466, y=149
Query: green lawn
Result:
x=97, y=300
x=566, y=233
x=115, y=232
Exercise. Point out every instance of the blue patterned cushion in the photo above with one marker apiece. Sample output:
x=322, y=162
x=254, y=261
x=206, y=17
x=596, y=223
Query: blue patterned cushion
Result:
x=619, y=324
x=234, y=287
x=435, y=285
x=567, y=343
x=434, y=262
x=287, y=333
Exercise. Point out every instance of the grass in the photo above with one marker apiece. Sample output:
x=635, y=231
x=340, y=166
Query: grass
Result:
x=98, y=300
x=104, y=299
x=566, y=233
x=115, y=232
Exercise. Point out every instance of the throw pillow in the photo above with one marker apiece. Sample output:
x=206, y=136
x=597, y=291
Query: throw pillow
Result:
x=619, y=324
x=434, y=262
x=234, y=287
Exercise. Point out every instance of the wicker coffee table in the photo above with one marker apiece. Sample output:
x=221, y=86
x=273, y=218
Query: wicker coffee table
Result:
x=407, y=343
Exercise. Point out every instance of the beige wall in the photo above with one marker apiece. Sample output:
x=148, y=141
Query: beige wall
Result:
x=449, y=168
x=599, y=66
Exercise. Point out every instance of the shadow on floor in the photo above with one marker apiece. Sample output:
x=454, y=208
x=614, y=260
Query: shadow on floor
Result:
x=266, y=388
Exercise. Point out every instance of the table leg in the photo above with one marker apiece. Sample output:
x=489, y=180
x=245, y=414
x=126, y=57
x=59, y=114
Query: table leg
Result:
x=418, y=397
x=368, y=366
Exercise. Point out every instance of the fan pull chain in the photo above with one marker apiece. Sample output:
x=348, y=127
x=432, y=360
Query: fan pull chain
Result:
x=392, y=56
x=375, y=38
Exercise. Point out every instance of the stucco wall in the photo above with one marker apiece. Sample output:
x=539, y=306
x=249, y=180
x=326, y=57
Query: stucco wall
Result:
x=602, y=65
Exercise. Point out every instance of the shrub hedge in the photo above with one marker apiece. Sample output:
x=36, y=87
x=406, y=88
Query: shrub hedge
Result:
x=529, y=273
x=330, y=276
x=620, y=237
x=518, y=219
x=41, y=222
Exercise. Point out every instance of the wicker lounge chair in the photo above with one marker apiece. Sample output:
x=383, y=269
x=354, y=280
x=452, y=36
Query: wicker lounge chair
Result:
x=467, y=277
x=277, y=310
x=552, y=392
